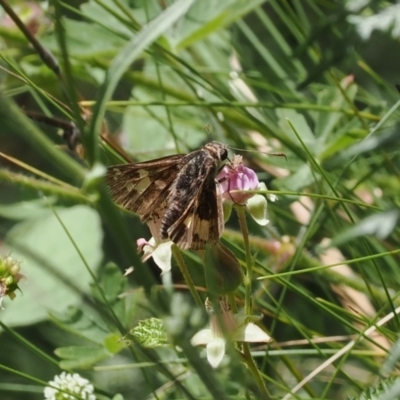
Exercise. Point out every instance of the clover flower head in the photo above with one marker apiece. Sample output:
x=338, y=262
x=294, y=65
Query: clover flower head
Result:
x=64, y=384
x=227, y=326
x=235, y=180
x=9, y=277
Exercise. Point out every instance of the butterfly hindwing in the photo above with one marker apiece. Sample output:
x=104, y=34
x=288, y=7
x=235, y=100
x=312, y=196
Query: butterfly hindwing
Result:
x=195, y=209
x=202, y=221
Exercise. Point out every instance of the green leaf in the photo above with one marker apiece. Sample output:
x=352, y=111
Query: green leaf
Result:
x=113, y=343
x=83, y=323
x=387, y=389
x=327, y=121
x=157, y=141
x=55, y=273
x=96, y=12
x=150, y=333
x=379, y=225
x=298, y=180
x=343, y=139
x=25, y=209
x=80, y=36
x=393, y=357
x=300, y=123
x=81, y=356
x=112, y=282
x=202, y=21
x=125, y=58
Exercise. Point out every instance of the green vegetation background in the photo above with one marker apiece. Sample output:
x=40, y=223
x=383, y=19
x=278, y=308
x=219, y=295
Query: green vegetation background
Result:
x=315, y=80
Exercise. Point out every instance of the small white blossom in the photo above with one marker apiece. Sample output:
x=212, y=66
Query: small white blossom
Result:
x=64, y=385
x=157, y=247
x=160, y=251
x=236, y=327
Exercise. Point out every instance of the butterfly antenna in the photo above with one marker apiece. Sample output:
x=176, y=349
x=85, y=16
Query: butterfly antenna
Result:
x=260, y=152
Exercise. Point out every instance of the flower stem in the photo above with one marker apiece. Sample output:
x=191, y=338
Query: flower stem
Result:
x=182, y=265
x=255, y=372
x=247, y=282
x=249, y=262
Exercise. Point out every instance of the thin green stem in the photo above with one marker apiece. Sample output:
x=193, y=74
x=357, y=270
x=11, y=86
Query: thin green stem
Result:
x=255, y=372
x=242, y=104
x=249, y=261
x=182, y=265
x=24, y=181
x=248, y=301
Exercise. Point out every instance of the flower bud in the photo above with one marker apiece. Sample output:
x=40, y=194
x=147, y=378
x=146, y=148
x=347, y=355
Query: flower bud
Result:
x=9, y=277
x=257, y=208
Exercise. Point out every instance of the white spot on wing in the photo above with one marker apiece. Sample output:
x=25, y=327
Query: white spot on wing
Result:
x=202, y=229
x=143, y=173
x=188, y=221
x=142, y=185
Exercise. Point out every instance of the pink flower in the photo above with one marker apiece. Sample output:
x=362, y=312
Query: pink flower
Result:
x=235, y=180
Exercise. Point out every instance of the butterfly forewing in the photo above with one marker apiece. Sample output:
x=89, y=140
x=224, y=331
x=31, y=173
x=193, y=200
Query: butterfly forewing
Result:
x=141, y=187
x=177, y=194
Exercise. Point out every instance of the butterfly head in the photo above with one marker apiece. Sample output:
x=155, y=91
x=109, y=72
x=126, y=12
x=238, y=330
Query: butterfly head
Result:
x=218, y=150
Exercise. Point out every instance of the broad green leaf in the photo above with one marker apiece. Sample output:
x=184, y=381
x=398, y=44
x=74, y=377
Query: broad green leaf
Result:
x=25, y=209
x=83, y=323
x=300, y=123
x=325, y=122
x=56, y=276
x=99, y=12
x=125, y=58
x=80, y=36
x=157, y=140
x=112, y=283
x=298, y=180
x=81, y=356
x=95, y=12
x=343, y=138
x=203, y=21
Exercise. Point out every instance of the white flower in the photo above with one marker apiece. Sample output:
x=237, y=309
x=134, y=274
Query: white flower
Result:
x=157, y=247
x=160, y=251
x=257, y=206
x=64, y=384
x=235, y=327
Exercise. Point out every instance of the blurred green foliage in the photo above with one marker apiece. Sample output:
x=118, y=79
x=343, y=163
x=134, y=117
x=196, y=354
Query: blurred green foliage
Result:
x=315, y=80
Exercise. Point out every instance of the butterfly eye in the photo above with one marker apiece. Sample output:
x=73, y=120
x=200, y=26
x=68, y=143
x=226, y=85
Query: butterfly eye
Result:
x=224, y=154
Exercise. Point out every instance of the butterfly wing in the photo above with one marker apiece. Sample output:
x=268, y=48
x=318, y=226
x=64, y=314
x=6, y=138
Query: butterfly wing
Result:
x=177, y=195
x=143, y=187
x=201, y=221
